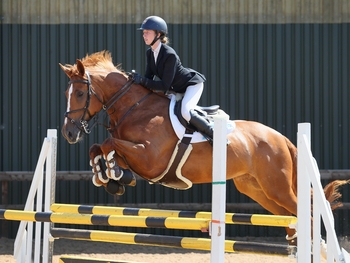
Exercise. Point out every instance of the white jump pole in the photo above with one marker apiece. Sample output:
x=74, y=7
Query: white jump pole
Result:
x=219, y=190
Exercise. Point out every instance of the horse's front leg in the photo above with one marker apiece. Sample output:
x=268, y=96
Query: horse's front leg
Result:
x=100, y=177
x=113, y=171
x=123, y=176
x=145, y=159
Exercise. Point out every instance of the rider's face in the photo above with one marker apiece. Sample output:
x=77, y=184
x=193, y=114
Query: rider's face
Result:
x=148, y=36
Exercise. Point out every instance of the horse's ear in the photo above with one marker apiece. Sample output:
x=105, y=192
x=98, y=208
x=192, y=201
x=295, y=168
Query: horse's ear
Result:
x=80, y=67
x=66, y=70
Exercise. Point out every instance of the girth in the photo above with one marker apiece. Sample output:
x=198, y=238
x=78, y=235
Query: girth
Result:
x=172, y=176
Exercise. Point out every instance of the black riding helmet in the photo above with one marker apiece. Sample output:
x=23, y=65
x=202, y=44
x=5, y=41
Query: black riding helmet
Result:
x=155, y=23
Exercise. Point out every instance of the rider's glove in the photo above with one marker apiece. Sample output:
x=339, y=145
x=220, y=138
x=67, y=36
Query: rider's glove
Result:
x=138, y=79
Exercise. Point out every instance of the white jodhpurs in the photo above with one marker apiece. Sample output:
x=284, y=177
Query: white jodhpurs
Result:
x=191, y=97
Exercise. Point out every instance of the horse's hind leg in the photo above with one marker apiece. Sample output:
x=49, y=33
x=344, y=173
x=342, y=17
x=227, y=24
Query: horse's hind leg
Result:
x=248, y=185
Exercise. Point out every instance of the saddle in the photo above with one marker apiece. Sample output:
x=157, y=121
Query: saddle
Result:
x=203, y=111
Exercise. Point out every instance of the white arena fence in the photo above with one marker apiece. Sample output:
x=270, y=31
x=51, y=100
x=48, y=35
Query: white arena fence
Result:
x=309, y=175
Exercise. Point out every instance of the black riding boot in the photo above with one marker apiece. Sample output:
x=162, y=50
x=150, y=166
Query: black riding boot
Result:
x=201, y=124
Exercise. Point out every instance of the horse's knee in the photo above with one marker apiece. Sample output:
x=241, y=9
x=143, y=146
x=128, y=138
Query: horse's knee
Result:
x=108, y=144
x=95, y=150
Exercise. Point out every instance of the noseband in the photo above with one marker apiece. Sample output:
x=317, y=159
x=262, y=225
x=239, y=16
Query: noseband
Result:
x=83, y=125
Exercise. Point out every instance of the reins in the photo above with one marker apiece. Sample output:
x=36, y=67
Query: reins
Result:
x=84, y=125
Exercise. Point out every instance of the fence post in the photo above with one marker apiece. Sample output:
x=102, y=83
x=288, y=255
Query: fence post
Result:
x=219, y=190
x=304, y=200
x=50, y=191
x=23, y=242
x=308, y=174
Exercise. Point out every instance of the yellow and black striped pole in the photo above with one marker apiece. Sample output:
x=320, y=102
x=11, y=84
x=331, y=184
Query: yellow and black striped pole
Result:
x=170, y=241
x=230, y=218
x=107, y=220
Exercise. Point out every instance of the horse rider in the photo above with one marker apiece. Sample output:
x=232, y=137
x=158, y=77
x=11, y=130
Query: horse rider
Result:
x=164, y=72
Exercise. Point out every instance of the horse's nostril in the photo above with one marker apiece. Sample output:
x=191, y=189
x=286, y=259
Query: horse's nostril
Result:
x=69, y=135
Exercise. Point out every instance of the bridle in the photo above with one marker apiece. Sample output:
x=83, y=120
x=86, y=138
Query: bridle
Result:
x=83, y=125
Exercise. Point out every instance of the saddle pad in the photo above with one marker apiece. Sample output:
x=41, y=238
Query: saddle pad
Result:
x=180, y=129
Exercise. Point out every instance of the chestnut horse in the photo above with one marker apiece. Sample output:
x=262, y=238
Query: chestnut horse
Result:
x=260, y=161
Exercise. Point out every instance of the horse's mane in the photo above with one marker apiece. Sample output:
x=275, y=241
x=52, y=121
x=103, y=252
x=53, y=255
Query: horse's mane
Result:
x=101, y=60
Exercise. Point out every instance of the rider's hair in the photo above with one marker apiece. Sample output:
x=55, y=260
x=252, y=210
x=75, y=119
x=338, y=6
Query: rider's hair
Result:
x=163, y=38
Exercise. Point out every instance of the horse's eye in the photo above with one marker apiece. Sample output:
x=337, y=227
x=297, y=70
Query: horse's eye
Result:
x=80, y=93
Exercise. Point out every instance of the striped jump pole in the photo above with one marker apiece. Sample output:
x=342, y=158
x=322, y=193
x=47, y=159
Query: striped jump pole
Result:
x=107, y=220
x=230, y=218
x=170, y=241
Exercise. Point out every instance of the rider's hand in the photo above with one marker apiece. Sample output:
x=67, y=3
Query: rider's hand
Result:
x=138, y=79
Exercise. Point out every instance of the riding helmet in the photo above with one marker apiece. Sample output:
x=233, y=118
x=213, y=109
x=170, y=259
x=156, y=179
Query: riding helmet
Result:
x=154, y=23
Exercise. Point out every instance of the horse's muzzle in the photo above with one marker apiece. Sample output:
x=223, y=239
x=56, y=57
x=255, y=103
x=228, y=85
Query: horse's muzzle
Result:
x=71, y=133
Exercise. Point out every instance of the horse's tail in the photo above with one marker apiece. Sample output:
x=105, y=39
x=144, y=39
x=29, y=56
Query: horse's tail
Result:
x=332, y=194
x=331, y=190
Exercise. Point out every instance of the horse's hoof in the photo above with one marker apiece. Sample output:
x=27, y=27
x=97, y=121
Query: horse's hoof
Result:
x=293, y=242
x=128, y=178
x=115, y=188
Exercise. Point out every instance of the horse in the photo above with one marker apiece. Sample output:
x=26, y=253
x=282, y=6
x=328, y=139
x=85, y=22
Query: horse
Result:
x=261, y=161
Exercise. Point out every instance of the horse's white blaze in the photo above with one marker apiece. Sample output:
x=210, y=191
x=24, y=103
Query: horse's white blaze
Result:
x=70, y=91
